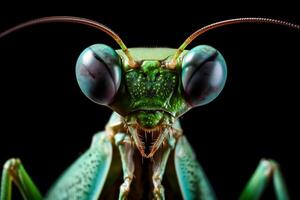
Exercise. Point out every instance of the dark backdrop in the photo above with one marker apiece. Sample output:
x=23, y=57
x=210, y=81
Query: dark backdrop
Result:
x=48, y=122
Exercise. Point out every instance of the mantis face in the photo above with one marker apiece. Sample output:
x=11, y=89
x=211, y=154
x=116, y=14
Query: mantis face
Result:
x=150, y=96
x=150, y=87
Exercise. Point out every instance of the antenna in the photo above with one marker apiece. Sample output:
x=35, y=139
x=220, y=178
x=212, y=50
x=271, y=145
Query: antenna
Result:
x=172, y=63
x=78, y=20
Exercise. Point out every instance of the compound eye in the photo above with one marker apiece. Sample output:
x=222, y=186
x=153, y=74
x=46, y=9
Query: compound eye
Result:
x=203, y=76
x=98, y=73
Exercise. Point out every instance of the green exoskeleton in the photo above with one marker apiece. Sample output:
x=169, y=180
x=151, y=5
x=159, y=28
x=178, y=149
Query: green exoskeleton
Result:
x=143, y=144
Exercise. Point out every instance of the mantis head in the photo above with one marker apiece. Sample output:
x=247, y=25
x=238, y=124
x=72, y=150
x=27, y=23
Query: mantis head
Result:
x=150, y=87
x=150, y=96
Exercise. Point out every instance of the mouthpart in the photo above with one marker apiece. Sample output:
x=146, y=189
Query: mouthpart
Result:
x=148, y=141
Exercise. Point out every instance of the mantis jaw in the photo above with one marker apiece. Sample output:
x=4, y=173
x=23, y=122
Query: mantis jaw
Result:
x=148, y=141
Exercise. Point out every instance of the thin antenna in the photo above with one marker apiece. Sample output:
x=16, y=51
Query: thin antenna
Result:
x=78, y=20
x=200, y=31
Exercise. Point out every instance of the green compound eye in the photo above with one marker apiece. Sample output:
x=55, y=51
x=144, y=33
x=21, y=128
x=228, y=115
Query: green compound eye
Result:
x=98, y=73
x=204, y=74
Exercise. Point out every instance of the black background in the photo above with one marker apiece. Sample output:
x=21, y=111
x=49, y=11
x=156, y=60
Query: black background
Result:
x=48, y=122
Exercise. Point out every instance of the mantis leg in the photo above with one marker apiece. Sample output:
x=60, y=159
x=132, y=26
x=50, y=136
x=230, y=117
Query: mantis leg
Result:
x=266, y=171
x=14, y=172
x=126, y=149
x=85, y=178
x=159, y=166
x=191, y=177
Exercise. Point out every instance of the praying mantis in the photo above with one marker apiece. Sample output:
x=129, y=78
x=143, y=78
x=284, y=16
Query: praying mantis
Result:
x=143, y=144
